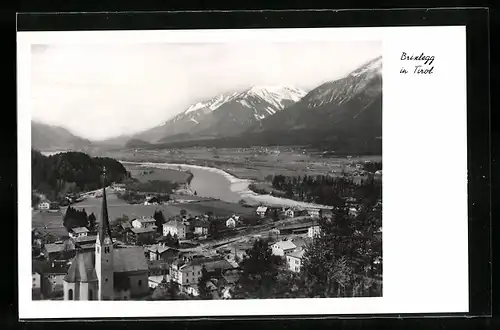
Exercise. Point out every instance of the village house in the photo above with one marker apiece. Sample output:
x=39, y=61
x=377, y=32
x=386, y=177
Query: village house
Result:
x=161, y=252
x=85, y=243
x=140, y=235
x=228, y=281
x=294, y=260
x=78, y=232
x=294, y=212
x=155, y=280
x=233, y=221
x=313, y=231
x=36, y=289
x=119, y=187
x=175, y=227
x=200, y=227
x=51, y=276
x=262, y=211
x=108, y=273
x=315, y=213
x=59, y=250
x=144, y=222
x=282, y=248
x=186, y=273
x=151, y=200
x=43, y=206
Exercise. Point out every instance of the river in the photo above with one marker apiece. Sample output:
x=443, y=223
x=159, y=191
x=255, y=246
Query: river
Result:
x=216, y=183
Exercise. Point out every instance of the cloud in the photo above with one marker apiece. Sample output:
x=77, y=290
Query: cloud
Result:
x=100, y=91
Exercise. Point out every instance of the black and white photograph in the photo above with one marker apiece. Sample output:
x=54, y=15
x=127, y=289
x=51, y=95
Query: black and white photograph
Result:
x=207, y=170
x=248, y=172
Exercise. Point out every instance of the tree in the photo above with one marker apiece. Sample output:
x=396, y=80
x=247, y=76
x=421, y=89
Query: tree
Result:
x=75, y=218
x=92, y=223
x=195, y=193
x=160, y=220
x=213, y=229
x=183, y=213
x=260, y=269
x=173, y=290
x=202, y=284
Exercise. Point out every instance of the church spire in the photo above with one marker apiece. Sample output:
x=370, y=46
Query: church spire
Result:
x=104, y=228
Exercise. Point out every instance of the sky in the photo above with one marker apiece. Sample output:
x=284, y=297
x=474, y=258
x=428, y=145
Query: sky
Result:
x=102, y=91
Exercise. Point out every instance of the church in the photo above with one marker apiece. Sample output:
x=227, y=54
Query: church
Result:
x=108, y=273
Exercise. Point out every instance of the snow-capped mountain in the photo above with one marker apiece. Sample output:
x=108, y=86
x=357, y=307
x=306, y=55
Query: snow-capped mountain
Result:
x=343, y=113
x=334, y=101
x=225, y=114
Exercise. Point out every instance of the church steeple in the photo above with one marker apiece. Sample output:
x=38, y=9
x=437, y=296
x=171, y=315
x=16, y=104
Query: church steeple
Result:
x=104, y=227
x=104, y=251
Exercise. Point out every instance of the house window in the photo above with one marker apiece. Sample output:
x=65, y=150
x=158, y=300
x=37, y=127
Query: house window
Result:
x=90, y=294
x=139, y=283
x=98, y=249
x=34, y=284
x=106, y=249
x=106, y=279
x=70, y=294
x=187, y=280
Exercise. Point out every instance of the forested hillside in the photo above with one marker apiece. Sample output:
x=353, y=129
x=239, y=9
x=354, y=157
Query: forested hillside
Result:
x=71, y=172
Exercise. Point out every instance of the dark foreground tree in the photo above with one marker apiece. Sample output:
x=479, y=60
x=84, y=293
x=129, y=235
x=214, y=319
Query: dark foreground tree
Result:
x=259, y=272
x=202, y=284
x=160, y=220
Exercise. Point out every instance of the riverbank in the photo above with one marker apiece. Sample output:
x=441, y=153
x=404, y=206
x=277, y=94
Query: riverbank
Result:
x=238, y=186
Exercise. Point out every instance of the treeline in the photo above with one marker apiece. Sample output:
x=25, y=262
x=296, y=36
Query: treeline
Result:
x=78, y=218
x=372, y=167
x=153, y=186
x=326, y=190
x=345, y=260
x=72, y=172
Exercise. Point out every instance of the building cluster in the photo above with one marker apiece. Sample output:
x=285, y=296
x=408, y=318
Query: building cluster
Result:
x=97, y=266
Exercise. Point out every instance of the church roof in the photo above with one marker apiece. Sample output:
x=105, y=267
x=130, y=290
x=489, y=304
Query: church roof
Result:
x=81, y=269
x=129, y=260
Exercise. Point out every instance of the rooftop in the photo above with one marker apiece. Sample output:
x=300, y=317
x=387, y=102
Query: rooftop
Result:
x=82, y=268
x=85, y=239
x=143, y=230
x=54, y=248
x=262, y=209
x=285, y=245
x=297, y=254
x=145, y=219
x=129, y=260
x=79, y=230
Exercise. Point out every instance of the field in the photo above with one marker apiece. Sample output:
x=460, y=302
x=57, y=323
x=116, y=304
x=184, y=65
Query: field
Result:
x=252, y=163
x=118, y=208
x=144, y=174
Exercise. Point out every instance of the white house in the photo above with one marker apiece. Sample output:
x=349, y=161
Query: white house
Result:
x=262, y=211
x=283, y=248
x=353, y=211
x=44, y=206
x=175, y=228
x=294, y=260
x=186, y=274
x=315, y=213
x=37, y=284
x=294, y=212
x=144, y=222
x=78, y=232
x=313, y=231
x=151, y=201
x=232, y=221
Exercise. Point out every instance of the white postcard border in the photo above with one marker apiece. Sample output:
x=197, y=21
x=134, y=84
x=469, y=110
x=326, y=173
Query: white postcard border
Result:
x=425, y=233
